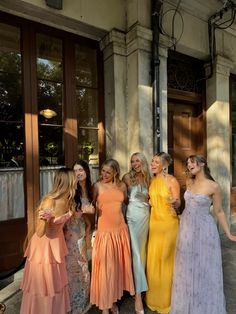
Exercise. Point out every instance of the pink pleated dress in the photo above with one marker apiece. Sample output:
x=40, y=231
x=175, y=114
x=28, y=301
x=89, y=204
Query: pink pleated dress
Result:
x=45, y=282
x=111, y=256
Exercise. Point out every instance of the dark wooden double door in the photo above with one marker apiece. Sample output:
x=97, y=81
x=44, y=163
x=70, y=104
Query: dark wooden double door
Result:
x=186, y=135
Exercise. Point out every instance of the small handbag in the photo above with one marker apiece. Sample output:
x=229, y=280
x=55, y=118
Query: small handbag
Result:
x=88, y=209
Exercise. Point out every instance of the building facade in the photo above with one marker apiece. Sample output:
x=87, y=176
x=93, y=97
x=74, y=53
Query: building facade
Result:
x=88, y=79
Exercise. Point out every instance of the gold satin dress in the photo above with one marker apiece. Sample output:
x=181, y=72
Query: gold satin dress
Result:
x=163, y=228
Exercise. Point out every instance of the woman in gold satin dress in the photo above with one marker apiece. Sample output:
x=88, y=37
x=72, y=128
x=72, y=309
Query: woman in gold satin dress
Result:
x=164, y=193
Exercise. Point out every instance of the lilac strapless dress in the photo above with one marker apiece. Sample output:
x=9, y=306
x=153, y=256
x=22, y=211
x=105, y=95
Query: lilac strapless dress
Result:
x=198, y=279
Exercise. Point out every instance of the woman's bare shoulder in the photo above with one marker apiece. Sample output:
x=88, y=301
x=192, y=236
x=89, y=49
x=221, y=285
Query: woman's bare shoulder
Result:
x=172, y=179
x=126, y=178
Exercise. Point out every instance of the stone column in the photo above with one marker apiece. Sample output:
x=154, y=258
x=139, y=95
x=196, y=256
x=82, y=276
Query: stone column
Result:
x=114, y=50
x=218, y=128
x=139, y=92
x=163, y=52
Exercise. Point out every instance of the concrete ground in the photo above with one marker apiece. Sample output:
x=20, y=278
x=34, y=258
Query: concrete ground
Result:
x=10, y=294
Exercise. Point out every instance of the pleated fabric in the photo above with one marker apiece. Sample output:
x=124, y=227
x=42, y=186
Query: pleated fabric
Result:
x=111, y=256
x=45, y=282
x=198, y=279
x=163, y=228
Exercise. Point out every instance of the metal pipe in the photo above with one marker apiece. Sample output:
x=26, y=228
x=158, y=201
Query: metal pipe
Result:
x=155, y=70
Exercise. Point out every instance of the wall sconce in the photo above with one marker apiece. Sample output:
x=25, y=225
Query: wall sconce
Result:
x=48, y=113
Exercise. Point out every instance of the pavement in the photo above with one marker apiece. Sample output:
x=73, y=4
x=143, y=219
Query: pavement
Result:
x=11, y=295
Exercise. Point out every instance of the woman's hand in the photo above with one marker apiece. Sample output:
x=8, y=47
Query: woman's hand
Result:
x=46, y=214
x=78, y=214
x=231, y=237
x=88, y=209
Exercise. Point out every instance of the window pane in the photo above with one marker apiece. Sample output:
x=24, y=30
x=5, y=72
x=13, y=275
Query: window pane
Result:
x=10, y=74
x=50, y=100
x=233, y=115
x=87, y=107
x=11, y=125
x=50, y=145
x=88, y=145
x=86, y=66
x=49, y=58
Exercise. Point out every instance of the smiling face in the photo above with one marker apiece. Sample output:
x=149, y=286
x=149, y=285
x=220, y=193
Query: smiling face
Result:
x=107, y=174
x=80, y=172
x=136, y=163
x=156, y=165
x=193, y=166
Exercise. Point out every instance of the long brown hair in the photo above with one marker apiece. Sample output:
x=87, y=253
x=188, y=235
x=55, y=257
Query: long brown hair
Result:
x=199, y=159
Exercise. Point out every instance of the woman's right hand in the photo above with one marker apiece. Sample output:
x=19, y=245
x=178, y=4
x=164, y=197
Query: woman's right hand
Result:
x=232, y=237
x=46, y=214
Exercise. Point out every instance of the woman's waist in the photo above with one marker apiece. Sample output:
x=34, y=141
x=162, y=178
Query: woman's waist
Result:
x=114, y=228
x=164, y=216
x=116, y=222
x=134, y=212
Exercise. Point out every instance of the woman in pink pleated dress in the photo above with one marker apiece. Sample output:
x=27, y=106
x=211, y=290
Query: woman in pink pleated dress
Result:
x=45, y=282
x=111, y=257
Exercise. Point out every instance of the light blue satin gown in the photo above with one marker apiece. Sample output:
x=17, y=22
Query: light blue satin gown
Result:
x=137, y=216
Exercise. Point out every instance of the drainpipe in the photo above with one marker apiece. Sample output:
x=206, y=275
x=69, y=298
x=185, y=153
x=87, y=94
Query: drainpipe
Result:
x=155, y=70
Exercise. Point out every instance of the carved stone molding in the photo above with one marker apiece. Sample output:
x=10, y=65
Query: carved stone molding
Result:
x=113, y=43
x=223, y=65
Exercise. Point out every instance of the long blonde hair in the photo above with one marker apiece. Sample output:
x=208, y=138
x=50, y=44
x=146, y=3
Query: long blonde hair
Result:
x=144, y=170
x=63, y=188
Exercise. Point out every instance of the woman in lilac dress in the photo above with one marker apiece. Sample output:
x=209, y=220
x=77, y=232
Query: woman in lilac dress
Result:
x=198, y=280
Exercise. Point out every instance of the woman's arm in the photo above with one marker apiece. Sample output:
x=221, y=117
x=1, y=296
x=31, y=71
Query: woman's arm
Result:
x=217, y=208
x=95, y=193
x=45, y=212
x=124, y=190
x=126, y=179
x=175, y=191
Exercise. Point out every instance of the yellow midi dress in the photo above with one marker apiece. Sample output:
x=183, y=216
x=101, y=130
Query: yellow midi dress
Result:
x=163, y=228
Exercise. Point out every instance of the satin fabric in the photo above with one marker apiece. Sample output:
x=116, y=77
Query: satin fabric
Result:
x=163, y=228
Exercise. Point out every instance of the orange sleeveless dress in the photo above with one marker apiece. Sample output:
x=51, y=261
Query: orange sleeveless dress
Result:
x=45, y=282
x=111, y=257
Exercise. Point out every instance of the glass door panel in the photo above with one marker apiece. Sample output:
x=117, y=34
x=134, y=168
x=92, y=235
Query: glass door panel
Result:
x=12, y=203
x=87, y=104
x=50, y=108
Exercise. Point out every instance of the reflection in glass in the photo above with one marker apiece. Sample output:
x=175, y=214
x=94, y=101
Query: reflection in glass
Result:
x=88, y=145
x=49, y=58
x=87, y=103
x=11, y=125
x=87, y=107
x=86, y=66
x=50, y=100
x=50, y=145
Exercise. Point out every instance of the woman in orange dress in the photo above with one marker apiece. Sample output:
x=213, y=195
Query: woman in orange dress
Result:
x=111, y=257
x=45, y=282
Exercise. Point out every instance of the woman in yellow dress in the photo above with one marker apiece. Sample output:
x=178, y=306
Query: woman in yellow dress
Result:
x=164, y=193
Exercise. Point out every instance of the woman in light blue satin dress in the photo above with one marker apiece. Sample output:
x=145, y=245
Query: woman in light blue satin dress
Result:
x=137, y=215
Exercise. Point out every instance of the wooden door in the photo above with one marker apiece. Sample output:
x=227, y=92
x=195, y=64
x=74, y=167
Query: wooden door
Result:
x=186, y=131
